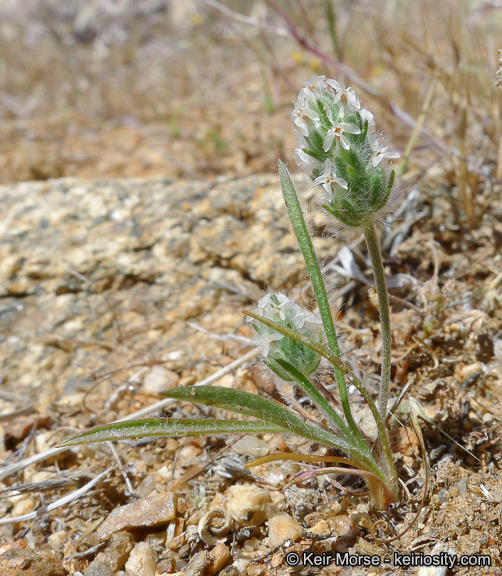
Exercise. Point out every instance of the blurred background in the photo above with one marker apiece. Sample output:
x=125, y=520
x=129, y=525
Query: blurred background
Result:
x=203, y=88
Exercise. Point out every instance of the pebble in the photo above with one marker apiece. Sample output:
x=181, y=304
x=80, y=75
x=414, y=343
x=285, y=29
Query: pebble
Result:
x=154, y=511
x=57, y=539
x=198, y=564
x=118, y=550
x=24, y=506
x=248, y=504
x=28, y=563
x=146, y=486
x=142, y=561
x=251, y=446
x=188, y=453
x=97, y=568
x=166, y=566
x=320, y=528
x=471, y=369
x=342, y=526
x=282, y=527
x=218, y=557
x=159, y=380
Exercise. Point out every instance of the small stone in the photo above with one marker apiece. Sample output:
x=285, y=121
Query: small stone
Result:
x=218, y=557
x=28, y=563
x=251, y=446
x=21, y=287
x=321, y=528
x=146, y=486
x=118, y=550
x=20, y=544
x=166, y=566
x=248, y=504
x=188, y=453
x=97, y=568
x=282, y=527
x=159, y=380
x=470, y=370
x=152, y=511
x=142, y=561
x=342, y=526
x=198, y=564
x=57, y=539
x=23, y=507
x=241, y=565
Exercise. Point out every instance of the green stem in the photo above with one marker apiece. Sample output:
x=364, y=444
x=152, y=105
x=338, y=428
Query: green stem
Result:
x=383, y=302
x=300, y=229
x=383, y=397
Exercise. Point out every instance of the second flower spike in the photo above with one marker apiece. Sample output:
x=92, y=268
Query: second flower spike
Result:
x=274, y=346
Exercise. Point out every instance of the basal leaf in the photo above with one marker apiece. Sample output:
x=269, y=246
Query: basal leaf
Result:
x=157, y=427
x=253, y=405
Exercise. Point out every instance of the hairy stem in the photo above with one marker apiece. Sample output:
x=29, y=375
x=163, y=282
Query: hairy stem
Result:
x=383, y=302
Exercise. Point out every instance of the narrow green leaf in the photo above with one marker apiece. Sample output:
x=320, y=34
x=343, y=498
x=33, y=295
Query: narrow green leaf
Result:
x=156, y=427
x=302, y=235
x=237, y=401
x=318, y=396
x=253, y=405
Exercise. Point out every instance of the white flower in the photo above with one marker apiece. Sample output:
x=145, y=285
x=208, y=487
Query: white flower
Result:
x=315, y=83
x=337, y=130
x=279, y=309
x=380, y=152
x=328, y=179
x=300, y=317
x=302, y=113
x=266, y=338
x=267, y=308
x=365, y=114
x=347, y=96
x=301, y=157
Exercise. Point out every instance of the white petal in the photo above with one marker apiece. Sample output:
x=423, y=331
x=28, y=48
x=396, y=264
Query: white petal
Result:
x=314, y=319
x=392, y=154
x=315, y=83
x=350, y=127
x=264, y=301
x=329, y=192
x=328, y=140
x=352, y=99
x=374, y=143
x=334, y=84
x=301, y=157
x=312, y=114
x=300, y=140
x=375, y=161
x=302, y=125
x=299, y=319
x=342, y=183
x=327, y=188
x=367, y=115
x=344, y=142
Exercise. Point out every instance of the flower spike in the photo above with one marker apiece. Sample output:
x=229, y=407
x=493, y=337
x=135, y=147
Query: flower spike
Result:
x=338, y=147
